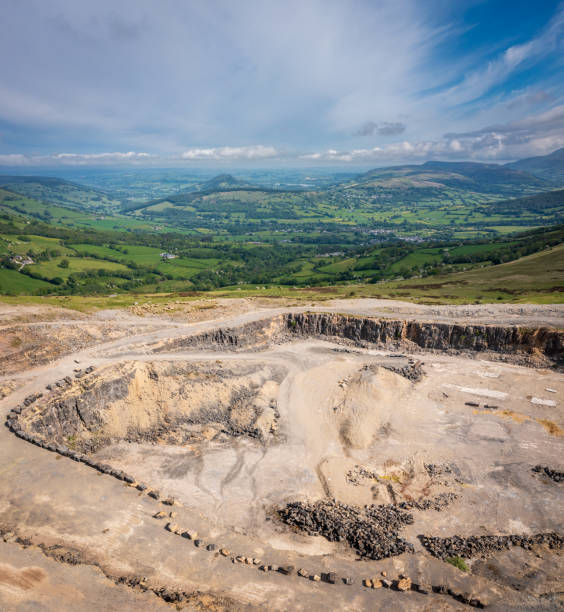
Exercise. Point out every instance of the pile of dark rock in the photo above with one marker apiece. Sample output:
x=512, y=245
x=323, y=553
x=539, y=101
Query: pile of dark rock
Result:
x=372, y=531
x=438, y=503
x=356, y=475
x=412, y=371
x=552, y=474
x=482, y=546
x=438, y=469
x=443, y=473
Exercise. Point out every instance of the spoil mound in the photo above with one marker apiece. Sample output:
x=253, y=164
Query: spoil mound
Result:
x=482, y=546
x=367, y=398
x=372, y=531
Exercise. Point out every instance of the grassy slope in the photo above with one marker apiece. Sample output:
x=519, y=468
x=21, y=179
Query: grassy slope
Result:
x=12, y=280
x=537, y=278
x=58, y=191
x=50, y=269
x=11, y=202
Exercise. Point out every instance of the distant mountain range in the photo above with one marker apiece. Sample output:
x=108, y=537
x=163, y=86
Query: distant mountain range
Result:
x=548, y=167
x=510, y=180
x=516, y=179
x=485, y=178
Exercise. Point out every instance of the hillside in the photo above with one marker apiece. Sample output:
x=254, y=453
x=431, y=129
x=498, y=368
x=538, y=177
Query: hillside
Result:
x=49, y=250
x=15, y=205
x=217, y=186
x=58, y=191
x=548, y=167
x=535, y=278
x=539, y=204
x=408, y=222
x=485, y=178
x=432, y=200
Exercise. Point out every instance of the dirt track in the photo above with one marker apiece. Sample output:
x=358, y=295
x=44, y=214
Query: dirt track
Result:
x=334, y=416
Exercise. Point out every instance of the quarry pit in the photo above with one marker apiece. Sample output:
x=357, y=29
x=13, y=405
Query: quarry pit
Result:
x=297, y=459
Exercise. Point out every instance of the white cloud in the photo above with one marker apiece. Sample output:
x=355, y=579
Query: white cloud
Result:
x=231, y=153
x=92, y=158
x=134, y=75
x=74, y=159
x=536, y=134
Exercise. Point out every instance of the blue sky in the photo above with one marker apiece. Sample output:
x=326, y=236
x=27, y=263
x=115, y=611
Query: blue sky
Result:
x=351, y=82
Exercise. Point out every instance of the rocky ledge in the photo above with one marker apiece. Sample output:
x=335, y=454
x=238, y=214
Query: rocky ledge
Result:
x=533, y=345
x=536, y=346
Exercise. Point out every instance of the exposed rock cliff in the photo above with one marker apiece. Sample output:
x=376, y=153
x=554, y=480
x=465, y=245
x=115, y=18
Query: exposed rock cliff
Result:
x=529, y=346
x=257, y=334
x=541, y=342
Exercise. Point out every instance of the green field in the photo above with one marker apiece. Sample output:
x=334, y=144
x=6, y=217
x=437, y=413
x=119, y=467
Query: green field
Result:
x=51, y=269
x=14, y=283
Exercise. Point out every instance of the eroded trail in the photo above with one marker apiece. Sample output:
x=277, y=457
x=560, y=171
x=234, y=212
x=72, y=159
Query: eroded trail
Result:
x=235, y=432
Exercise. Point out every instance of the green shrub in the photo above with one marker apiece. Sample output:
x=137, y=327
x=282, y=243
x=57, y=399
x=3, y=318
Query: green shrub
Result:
x=458, y=562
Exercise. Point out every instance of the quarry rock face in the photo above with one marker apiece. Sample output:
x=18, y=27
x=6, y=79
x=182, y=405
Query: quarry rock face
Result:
x=437, y=336
x=175, y=404
x=257, y=334
x=539, y=346
x=68, y=416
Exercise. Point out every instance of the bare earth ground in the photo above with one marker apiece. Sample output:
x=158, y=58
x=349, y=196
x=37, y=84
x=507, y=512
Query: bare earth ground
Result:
x=339, y=410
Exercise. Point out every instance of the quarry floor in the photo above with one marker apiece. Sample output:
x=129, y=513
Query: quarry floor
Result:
x=226, y=490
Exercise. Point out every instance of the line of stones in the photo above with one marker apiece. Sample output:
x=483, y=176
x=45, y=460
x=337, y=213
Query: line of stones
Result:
x=70, y=557
x=13, y=424
x=402, y=584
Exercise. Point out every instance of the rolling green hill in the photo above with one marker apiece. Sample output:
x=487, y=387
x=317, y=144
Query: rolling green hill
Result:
x=58, y=191
x=540, y=204
x=395, y=229
x=221, y=184
x=12, y=203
